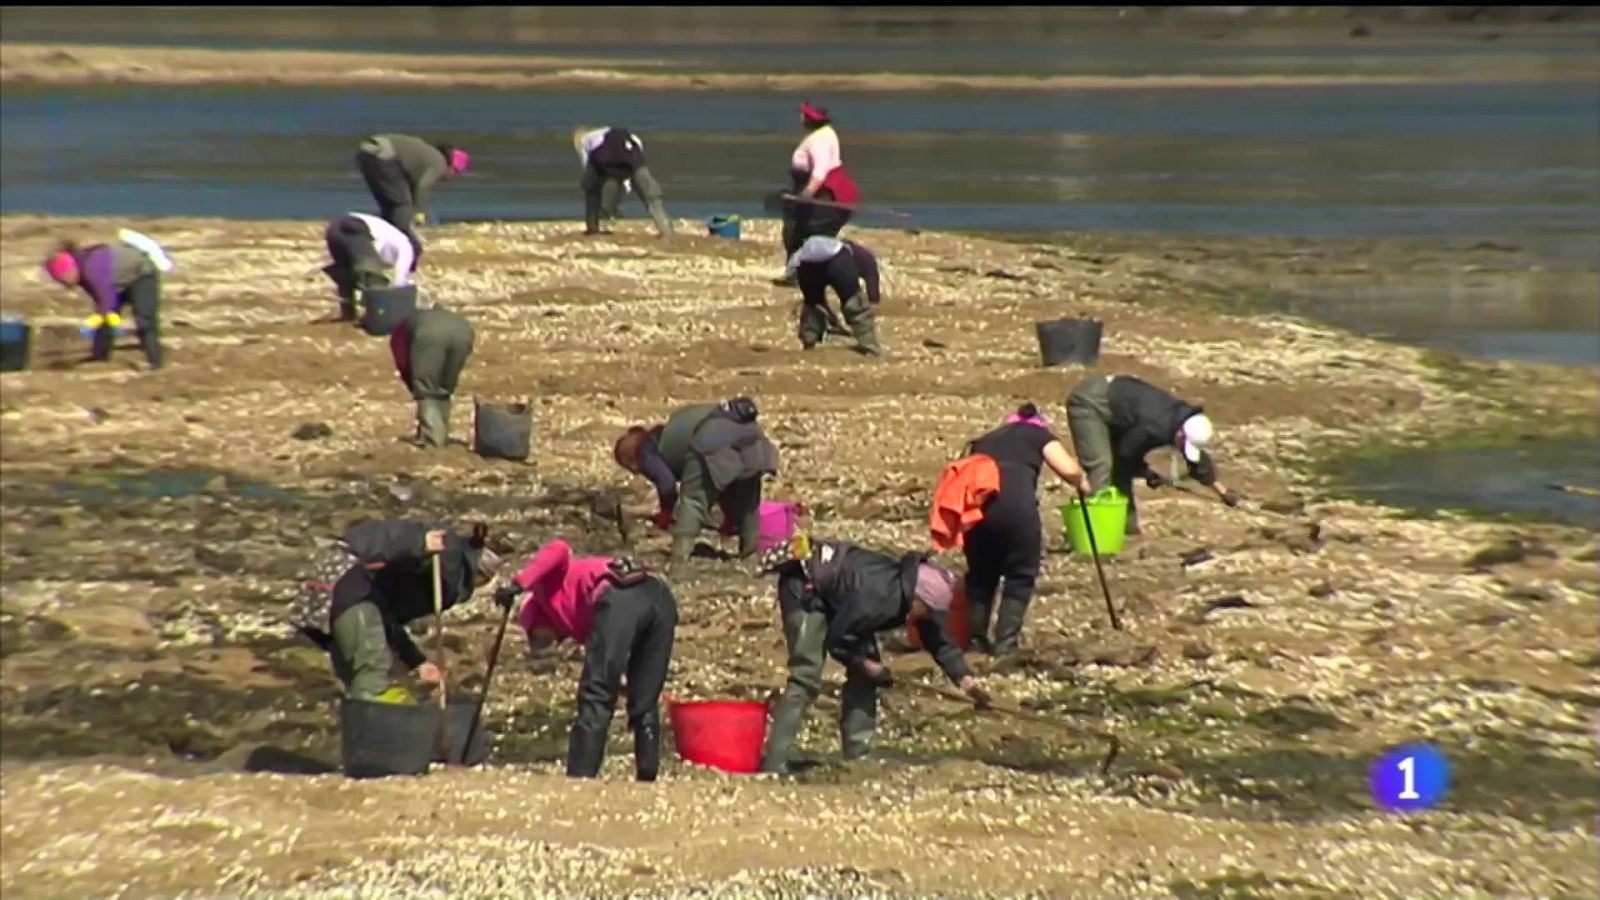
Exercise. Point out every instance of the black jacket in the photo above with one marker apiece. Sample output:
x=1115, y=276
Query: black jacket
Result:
x=1143, y=418
x=402, y=588
x=619, y=153
x=863, y=592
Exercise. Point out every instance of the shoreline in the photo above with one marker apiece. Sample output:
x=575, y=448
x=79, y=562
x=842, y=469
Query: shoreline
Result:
x=96, y=64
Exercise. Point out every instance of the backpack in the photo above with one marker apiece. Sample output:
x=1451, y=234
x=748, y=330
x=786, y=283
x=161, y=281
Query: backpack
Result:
x=312, y=605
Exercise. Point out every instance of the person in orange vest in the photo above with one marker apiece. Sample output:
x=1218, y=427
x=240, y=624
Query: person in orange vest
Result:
x=816, y=172
x=1006, y=543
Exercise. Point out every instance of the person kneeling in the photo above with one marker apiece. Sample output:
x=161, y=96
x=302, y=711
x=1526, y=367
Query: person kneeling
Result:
x=834, y=598
x=626, y=618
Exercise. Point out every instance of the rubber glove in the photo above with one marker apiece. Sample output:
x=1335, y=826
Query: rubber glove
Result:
x=1154, y=479
x=419, y=218
x=506, y=595
x=1230, y=498
x=662, y=520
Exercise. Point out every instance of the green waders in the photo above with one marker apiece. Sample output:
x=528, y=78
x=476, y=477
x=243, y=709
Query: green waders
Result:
x=1089, y=420
x=361, y=655
x=740, y=502
x=596, y=185
x=858, y=315
x=858, y=703
x=441, y=342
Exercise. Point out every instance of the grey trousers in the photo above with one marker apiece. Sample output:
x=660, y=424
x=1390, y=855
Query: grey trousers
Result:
x=595, y=183
x=1089, y=418
x=858, y=704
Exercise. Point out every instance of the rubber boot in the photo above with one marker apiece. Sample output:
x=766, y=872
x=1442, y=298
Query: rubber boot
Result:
x=978, y=625
x=100, y=348
x=647, y=750
x=1008, y=627
x=586, y=748
x=786, y=722
x=433, y=421
x=858, y=315
x=813, y=325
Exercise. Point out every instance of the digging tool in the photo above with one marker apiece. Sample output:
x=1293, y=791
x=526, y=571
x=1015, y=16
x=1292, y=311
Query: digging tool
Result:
x=1094, y=550
x=835, y=325
x=438, y=650
x=1113, y=744
x=1575, y=489
x=774, y=203
x=488, y=678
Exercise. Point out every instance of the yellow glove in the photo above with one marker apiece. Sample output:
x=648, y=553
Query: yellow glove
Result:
x=94, y=322
x=419, y=218
x=396, y=694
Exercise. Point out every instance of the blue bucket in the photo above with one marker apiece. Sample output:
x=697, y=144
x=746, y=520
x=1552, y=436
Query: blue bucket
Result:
x=724, y=227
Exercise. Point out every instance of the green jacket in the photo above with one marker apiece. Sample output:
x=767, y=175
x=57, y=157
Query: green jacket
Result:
x=423, y=163
x=677, y=435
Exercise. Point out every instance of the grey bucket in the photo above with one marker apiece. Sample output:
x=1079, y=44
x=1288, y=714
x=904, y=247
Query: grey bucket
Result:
x=1072, y=341
x=381, y=739
x=384, y=308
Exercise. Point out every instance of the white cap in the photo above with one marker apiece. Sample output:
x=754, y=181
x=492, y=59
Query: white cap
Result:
x=1196, y=434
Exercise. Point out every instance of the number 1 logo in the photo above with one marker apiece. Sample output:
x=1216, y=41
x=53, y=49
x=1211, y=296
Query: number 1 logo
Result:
x=1410, y=778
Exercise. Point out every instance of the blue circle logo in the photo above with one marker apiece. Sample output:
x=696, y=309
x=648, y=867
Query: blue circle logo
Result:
x=1410, y=778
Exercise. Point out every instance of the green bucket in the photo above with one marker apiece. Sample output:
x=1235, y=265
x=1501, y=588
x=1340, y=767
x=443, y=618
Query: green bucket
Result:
x=1108, y=515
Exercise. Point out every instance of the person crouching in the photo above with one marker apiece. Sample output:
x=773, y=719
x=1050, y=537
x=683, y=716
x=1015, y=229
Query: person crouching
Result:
x=824, y=261
x=834, y=597
x=613, y=159
x=626, y=619
x=384, y=581
x=116, y=275
x=704, y=455
x=430, y=348
x=365, y=251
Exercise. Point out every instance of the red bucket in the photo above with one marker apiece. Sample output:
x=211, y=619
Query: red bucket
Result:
x=722, y=734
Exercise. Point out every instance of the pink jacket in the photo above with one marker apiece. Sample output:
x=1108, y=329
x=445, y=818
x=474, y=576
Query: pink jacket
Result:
x=561, y=591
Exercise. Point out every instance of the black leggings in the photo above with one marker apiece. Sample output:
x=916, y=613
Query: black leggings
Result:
x=1007, y=544
x=804, y=220
x=144, y=295
x=632, y=634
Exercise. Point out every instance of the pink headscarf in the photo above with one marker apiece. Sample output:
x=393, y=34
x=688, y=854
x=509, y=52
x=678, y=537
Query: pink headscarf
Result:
x=61, y=266
x=936, y=587
x=1038, y=421
x=458, y=161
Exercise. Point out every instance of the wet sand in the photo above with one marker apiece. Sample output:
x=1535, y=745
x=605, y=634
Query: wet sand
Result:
x=143, y=660
x=68, y=64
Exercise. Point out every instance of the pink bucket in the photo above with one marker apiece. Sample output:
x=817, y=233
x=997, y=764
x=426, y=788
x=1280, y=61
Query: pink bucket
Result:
x=779, y=521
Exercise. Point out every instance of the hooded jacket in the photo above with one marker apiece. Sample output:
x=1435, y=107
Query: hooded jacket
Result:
x=397, y=576
x=561, y=591
x=1144, y=418
x=862, y=592
x=733, y=449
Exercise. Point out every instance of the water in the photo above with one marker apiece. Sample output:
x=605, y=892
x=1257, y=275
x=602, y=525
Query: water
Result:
x=1487, y=481
x=1453, y=164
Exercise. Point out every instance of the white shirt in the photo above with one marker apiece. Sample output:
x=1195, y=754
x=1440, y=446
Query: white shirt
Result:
x=393, y=247
x=817, y=248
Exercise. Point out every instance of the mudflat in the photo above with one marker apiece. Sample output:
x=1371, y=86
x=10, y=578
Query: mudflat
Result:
x=153, y=523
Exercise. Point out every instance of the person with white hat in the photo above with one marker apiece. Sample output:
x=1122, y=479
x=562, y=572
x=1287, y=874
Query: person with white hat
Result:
x=1117, y=419
x=613, y=162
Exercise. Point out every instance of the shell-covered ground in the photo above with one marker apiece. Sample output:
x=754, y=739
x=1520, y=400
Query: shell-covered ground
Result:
x=152, y=524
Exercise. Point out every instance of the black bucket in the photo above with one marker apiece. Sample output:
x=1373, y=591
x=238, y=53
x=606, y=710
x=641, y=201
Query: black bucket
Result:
x=377, y=740
x=384, y=308
x=16, y=345
x=1072, y=341
x=502, y=431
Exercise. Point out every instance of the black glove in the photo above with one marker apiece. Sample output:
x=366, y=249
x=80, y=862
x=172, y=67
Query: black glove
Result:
x=1154, y=479
x=881, y=680
x=1230, y=498
x=980, y=697
x=506, y=595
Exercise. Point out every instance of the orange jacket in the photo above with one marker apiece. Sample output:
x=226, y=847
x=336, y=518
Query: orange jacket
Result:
x=964, y=486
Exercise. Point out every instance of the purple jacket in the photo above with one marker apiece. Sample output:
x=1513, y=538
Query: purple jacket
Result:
x=105, y=270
